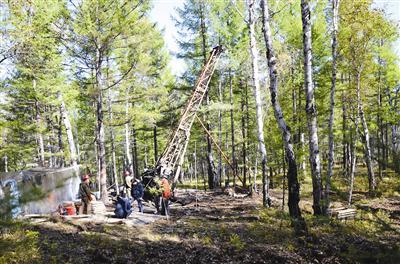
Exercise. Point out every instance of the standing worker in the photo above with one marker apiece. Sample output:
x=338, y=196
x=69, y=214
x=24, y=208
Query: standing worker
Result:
x=166, y=194
x=86, y=195
x=137, y=193
x=128, y=184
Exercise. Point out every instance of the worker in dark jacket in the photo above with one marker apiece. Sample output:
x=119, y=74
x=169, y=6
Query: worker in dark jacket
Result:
x=86, y=195
x=123, y=207
x=137, y=193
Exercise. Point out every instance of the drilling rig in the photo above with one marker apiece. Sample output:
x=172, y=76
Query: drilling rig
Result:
x=170, y=162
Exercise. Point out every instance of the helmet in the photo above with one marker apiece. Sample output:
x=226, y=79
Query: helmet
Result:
x=85, y=177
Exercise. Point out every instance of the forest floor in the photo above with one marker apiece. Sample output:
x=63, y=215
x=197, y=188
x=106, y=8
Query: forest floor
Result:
x=217, y=229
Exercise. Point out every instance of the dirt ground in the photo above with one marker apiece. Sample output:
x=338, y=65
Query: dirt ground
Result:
x=216, y=229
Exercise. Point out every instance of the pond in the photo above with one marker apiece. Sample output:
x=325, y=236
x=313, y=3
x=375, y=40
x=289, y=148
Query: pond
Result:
x=38, y=190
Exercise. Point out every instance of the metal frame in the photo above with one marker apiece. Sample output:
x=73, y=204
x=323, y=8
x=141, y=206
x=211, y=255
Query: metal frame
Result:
x=172, y=158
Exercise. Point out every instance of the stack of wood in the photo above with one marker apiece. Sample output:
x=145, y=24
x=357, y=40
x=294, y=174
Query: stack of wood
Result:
x=342, y=213
x=98, y=208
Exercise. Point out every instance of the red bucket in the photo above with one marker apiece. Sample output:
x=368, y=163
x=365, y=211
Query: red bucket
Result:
x=70, y=210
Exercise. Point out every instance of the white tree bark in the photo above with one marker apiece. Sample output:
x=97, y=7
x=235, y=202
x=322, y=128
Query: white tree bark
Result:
x=293, y=184
x=367, y=145
x=335, y=10
x=257, y=96
x=68, y=129
x=39, y=128
x=315, y=163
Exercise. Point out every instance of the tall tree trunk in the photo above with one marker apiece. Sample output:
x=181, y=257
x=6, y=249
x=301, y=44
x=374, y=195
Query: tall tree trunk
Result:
x=379, y=131
x=311, y=111
x=76, y=137
x=155, y=144
x=49, y=151
x=39, y=128
x=244, y=135
x=335, y=10
x=257, y=95
x=396, y=148
x=293, y=184
x=100, y=133
x=113, y=158
x=212, y=174
x=61, y=158
x=344, y=140
x=127, y=132
x=68, y=129
x=234, y=161
x=247, y=132
x=220, y=132
x=135, y=160
x=386, y=148
x=368, y=155
x=353, y=157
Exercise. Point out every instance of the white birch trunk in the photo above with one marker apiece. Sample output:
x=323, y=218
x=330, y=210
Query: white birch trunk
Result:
x=293, y=184
x=353, y=160
x=315, y=163
x=257, y=96
x=335, y=10
x=39, y=128
x=368, y=155
x=68, y=129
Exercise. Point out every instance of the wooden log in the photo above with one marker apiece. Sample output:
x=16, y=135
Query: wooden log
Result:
x=343, y=213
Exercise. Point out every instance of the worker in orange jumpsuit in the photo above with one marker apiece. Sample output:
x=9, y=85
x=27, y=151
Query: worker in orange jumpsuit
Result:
x=165, y=195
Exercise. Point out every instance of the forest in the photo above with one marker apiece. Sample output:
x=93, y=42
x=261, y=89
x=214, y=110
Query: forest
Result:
x=292, y=156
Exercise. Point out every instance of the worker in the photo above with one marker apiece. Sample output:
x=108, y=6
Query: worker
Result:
x=137, y=193
x=123, y=207
x=128, y=184
x=165, y=195
x=86, y=195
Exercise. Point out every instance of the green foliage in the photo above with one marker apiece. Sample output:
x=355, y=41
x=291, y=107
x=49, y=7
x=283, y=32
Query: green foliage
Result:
x=236, y=242
x=18, y=245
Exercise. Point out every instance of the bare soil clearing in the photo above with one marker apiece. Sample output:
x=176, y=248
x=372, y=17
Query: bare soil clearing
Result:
x=217, y=229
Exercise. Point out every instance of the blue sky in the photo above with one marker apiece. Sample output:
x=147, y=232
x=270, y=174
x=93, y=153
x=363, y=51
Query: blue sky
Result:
x=162, y=12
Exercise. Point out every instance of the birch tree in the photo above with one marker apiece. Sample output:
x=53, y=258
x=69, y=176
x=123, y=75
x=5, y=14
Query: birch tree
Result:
x=311, y=110
x=293, y=184
x=257, y=95
x=335, y=15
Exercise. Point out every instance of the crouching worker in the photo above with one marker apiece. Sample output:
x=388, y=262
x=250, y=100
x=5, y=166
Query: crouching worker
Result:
x=86, y=196
x=137, y=193
x=123, y=207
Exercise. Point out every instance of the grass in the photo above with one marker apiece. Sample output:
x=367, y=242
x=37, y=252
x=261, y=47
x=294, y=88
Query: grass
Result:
x=372, y=238
x=18, y=245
